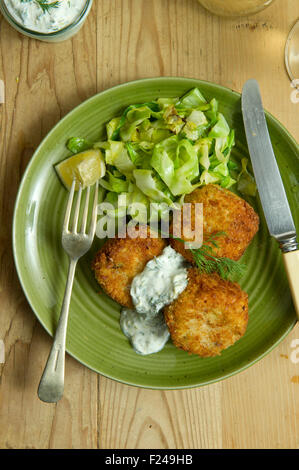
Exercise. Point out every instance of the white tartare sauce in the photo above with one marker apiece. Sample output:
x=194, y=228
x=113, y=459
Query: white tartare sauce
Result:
x=161, y=282
x=147, y=335
x=32, y=16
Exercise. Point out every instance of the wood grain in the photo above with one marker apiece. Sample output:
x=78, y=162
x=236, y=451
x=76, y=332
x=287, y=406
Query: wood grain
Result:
x=126, y=40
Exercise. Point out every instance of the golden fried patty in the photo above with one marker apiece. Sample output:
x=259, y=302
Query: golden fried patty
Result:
x=223, y=211
x=120, y=259
x=210, y=315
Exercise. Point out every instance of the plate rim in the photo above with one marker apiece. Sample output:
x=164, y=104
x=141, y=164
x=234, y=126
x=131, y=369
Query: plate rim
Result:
x=275, y=121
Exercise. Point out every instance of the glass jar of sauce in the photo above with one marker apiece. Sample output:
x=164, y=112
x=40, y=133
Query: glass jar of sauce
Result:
x=235, y=7
x=46, y=20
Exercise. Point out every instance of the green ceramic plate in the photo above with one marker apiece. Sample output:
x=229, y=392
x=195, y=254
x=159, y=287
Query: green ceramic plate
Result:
x=94, y=336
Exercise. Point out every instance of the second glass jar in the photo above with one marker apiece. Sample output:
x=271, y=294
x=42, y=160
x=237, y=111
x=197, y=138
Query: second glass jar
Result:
x=235, y=7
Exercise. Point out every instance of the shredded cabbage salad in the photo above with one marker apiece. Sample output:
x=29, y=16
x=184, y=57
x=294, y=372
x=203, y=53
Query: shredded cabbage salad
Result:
x=161, y=150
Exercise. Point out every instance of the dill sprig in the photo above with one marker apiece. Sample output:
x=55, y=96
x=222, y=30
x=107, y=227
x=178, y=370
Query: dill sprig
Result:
x=45, y=6
x=225, y=267
x=207, y=261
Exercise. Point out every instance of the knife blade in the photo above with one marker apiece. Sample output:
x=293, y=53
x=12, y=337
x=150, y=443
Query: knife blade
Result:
x=271, y=190
x=269, y=183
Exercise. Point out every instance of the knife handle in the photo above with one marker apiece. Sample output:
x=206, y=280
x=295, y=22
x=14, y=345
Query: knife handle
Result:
x=291, y=263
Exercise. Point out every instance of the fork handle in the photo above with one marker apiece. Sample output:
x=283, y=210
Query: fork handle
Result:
x=51, y=385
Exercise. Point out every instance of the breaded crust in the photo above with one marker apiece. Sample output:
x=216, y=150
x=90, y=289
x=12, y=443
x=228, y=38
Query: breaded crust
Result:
x=120, y=259
x=223, y=211
x=210, y=315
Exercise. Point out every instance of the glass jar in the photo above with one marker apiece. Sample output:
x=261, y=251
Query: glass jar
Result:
x=55, y=36
x=235, y=7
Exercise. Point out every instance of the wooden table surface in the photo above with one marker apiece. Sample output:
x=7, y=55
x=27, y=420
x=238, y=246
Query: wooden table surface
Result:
x=124, y=40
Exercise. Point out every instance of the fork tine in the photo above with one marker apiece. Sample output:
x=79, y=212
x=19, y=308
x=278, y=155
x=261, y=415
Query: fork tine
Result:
x=93, y=222
x=69, y=207
x=77, y=209
x=85, y=213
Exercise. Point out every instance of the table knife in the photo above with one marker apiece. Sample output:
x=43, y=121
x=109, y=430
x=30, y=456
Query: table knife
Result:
x=269, y=184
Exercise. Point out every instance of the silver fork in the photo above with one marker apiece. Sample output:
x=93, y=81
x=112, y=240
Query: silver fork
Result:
x=76, y=244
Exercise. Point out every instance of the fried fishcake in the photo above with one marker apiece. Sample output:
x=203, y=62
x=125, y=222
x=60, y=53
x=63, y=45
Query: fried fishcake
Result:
x=120, y=259
x=223, y=211
x=210, y=315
